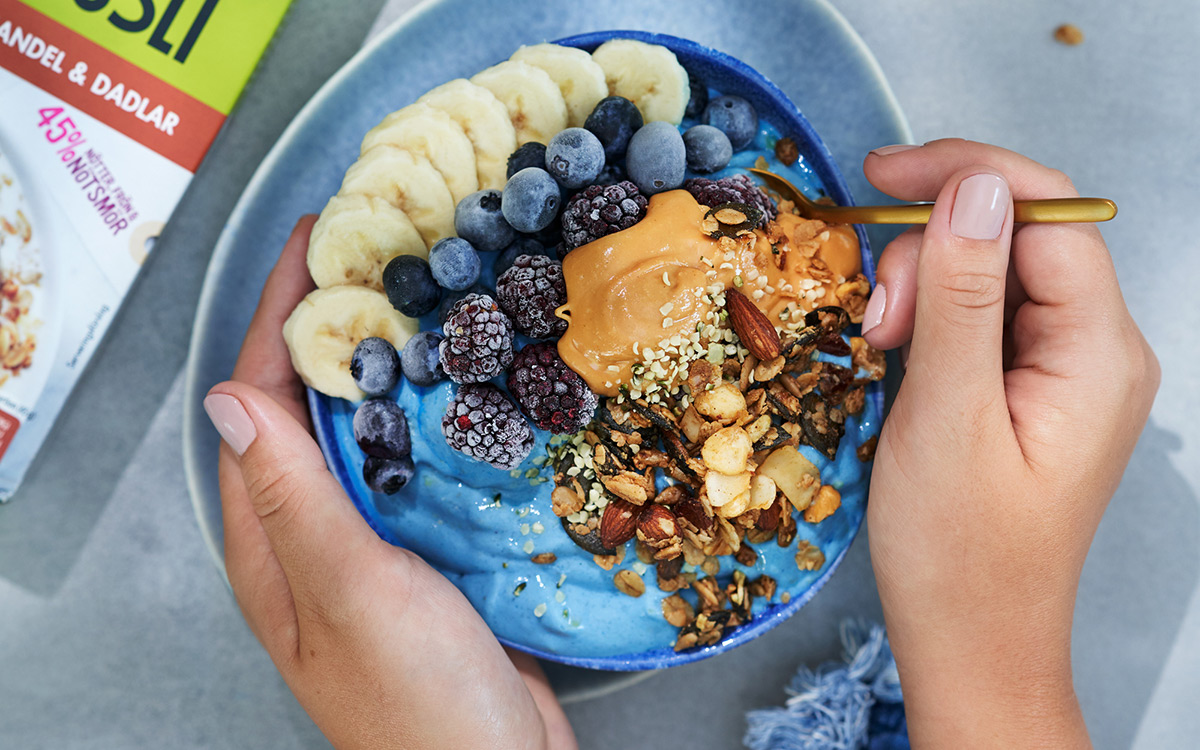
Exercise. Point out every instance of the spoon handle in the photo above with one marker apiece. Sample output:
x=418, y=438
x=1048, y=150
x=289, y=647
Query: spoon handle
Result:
x=1024, y=212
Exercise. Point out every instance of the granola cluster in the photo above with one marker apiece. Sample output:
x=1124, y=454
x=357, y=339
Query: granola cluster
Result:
x=720, y=437
x=18, y=278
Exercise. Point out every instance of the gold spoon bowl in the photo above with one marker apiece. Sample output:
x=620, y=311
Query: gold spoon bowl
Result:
x=1051, y=210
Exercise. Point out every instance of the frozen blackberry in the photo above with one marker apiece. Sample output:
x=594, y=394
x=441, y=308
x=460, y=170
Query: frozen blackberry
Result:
x=602, y=210
x=735, y=189
x=529, y=292
x=482, y=423
x=479, y=340
x=548, y=392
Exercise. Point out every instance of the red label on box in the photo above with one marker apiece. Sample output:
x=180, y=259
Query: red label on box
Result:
x=8, y=428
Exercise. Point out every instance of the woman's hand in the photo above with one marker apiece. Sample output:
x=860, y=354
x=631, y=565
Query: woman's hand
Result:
x=1027, y=386
x=379, y=648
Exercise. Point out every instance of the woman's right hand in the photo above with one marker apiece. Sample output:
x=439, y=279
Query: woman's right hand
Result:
x=1027, y=386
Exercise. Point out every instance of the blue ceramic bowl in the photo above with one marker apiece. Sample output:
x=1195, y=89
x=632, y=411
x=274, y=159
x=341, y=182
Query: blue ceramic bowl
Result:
x=449, y=547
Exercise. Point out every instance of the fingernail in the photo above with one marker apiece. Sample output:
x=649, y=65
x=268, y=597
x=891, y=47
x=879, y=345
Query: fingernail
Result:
x=231, y=420
x=894, y=149
x=980, y=207
x=873, y=315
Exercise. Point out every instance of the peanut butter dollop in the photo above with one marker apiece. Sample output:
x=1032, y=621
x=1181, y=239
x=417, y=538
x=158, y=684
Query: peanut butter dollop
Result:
x=631, y=290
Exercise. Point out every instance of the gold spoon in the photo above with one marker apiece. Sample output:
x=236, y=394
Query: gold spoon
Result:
x=1024, y=212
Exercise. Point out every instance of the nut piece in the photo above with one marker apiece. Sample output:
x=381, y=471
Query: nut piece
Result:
x=618, y=524
x=752, y=326
x=657, y=529
x=723, y=403
x=723, y=488
x=762, y=492
x=629, y=583
x=564, y=501
x=629, y=486
x=544, y=558
x=826, y=502
x=727, y=450
x=794, y=474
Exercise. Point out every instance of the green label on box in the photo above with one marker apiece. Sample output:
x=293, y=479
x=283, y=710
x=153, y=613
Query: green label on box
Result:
x=205, y=48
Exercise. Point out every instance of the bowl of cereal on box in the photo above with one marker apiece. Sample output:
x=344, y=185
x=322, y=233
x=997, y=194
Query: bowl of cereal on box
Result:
x=566, y=350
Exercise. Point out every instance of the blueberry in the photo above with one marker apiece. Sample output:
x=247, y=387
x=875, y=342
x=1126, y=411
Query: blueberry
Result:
x=454, y=263
x=733, y=116
x=708, y=149
x=574, y=157
x=611, y=175
x=657, y=159
x=478, y=220
x=531, y=154
x=614, y=120
x=531, y=199
x=410, y=285
x=699, y=99
x=453, y=297
x=421, y=360
x=388, y=475
x=520, y=246
x=381, y=429
x=375, y=366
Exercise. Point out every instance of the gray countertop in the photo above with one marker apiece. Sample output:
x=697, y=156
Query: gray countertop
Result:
x=116, y=630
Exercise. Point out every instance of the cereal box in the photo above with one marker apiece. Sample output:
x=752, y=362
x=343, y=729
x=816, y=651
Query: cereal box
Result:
x=106, y=109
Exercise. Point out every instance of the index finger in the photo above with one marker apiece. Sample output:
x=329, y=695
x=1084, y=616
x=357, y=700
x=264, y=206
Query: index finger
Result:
x=264, y=361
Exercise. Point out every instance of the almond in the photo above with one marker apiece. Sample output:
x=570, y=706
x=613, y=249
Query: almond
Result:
x=656, y=525
x=752, y=326
x=618, y=524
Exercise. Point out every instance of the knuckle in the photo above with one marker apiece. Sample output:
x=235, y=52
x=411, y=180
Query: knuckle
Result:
x=971, y=289
x=272, y=492
x=1061, y=182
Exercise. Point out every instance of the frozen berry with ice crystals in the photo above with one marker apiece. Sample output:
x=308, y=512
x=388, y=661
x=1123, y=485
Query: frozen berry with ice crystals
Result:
x=381, y=429
x=388, y=475
x=451, y=299
x=421, y=359
x=733, y=116
x=531, y=154
x=530, y=291
x=482, y=423
x=734, y=189
x=574, y=157
x=548, y=391
x=479, y=220
x=520, y=246
x=375, y=366
x=530, y=200
x=656, y=159
x=479, y=340
x=708, y=149
x=410, y=285
x=613, y=121
x=454, y=263
x=601, y=210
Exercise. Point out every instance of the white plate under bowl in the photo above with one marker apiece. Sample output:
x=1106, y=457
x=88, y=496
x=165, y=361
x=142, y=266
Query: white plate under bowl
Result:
x=813, y=56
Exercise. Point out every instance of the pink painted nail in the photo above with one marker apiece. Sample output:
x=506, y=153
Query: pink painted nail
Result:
x=231, y=420
x=895, y=149
x=873, y=315
x=980, y=207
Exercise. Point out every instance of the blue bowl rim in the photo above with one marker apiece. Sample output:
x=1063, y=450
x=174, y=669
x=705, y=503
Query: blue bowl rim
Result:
x=830, y=175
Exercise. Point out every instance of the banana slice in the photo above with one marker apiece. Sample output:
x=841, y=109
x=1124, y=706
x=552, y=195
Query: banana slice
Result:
x=429, y=132
x=646, y=74
x=410, y=183
x=323, y=330
x=484, y=119
x=354, y=239
x=579, y=79
x=535, y=105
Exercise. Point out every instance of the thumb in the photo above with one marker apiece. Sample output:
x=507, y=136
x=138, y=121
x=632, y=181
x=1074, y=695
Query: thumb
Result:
x=961, y=270
x=309, y=521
